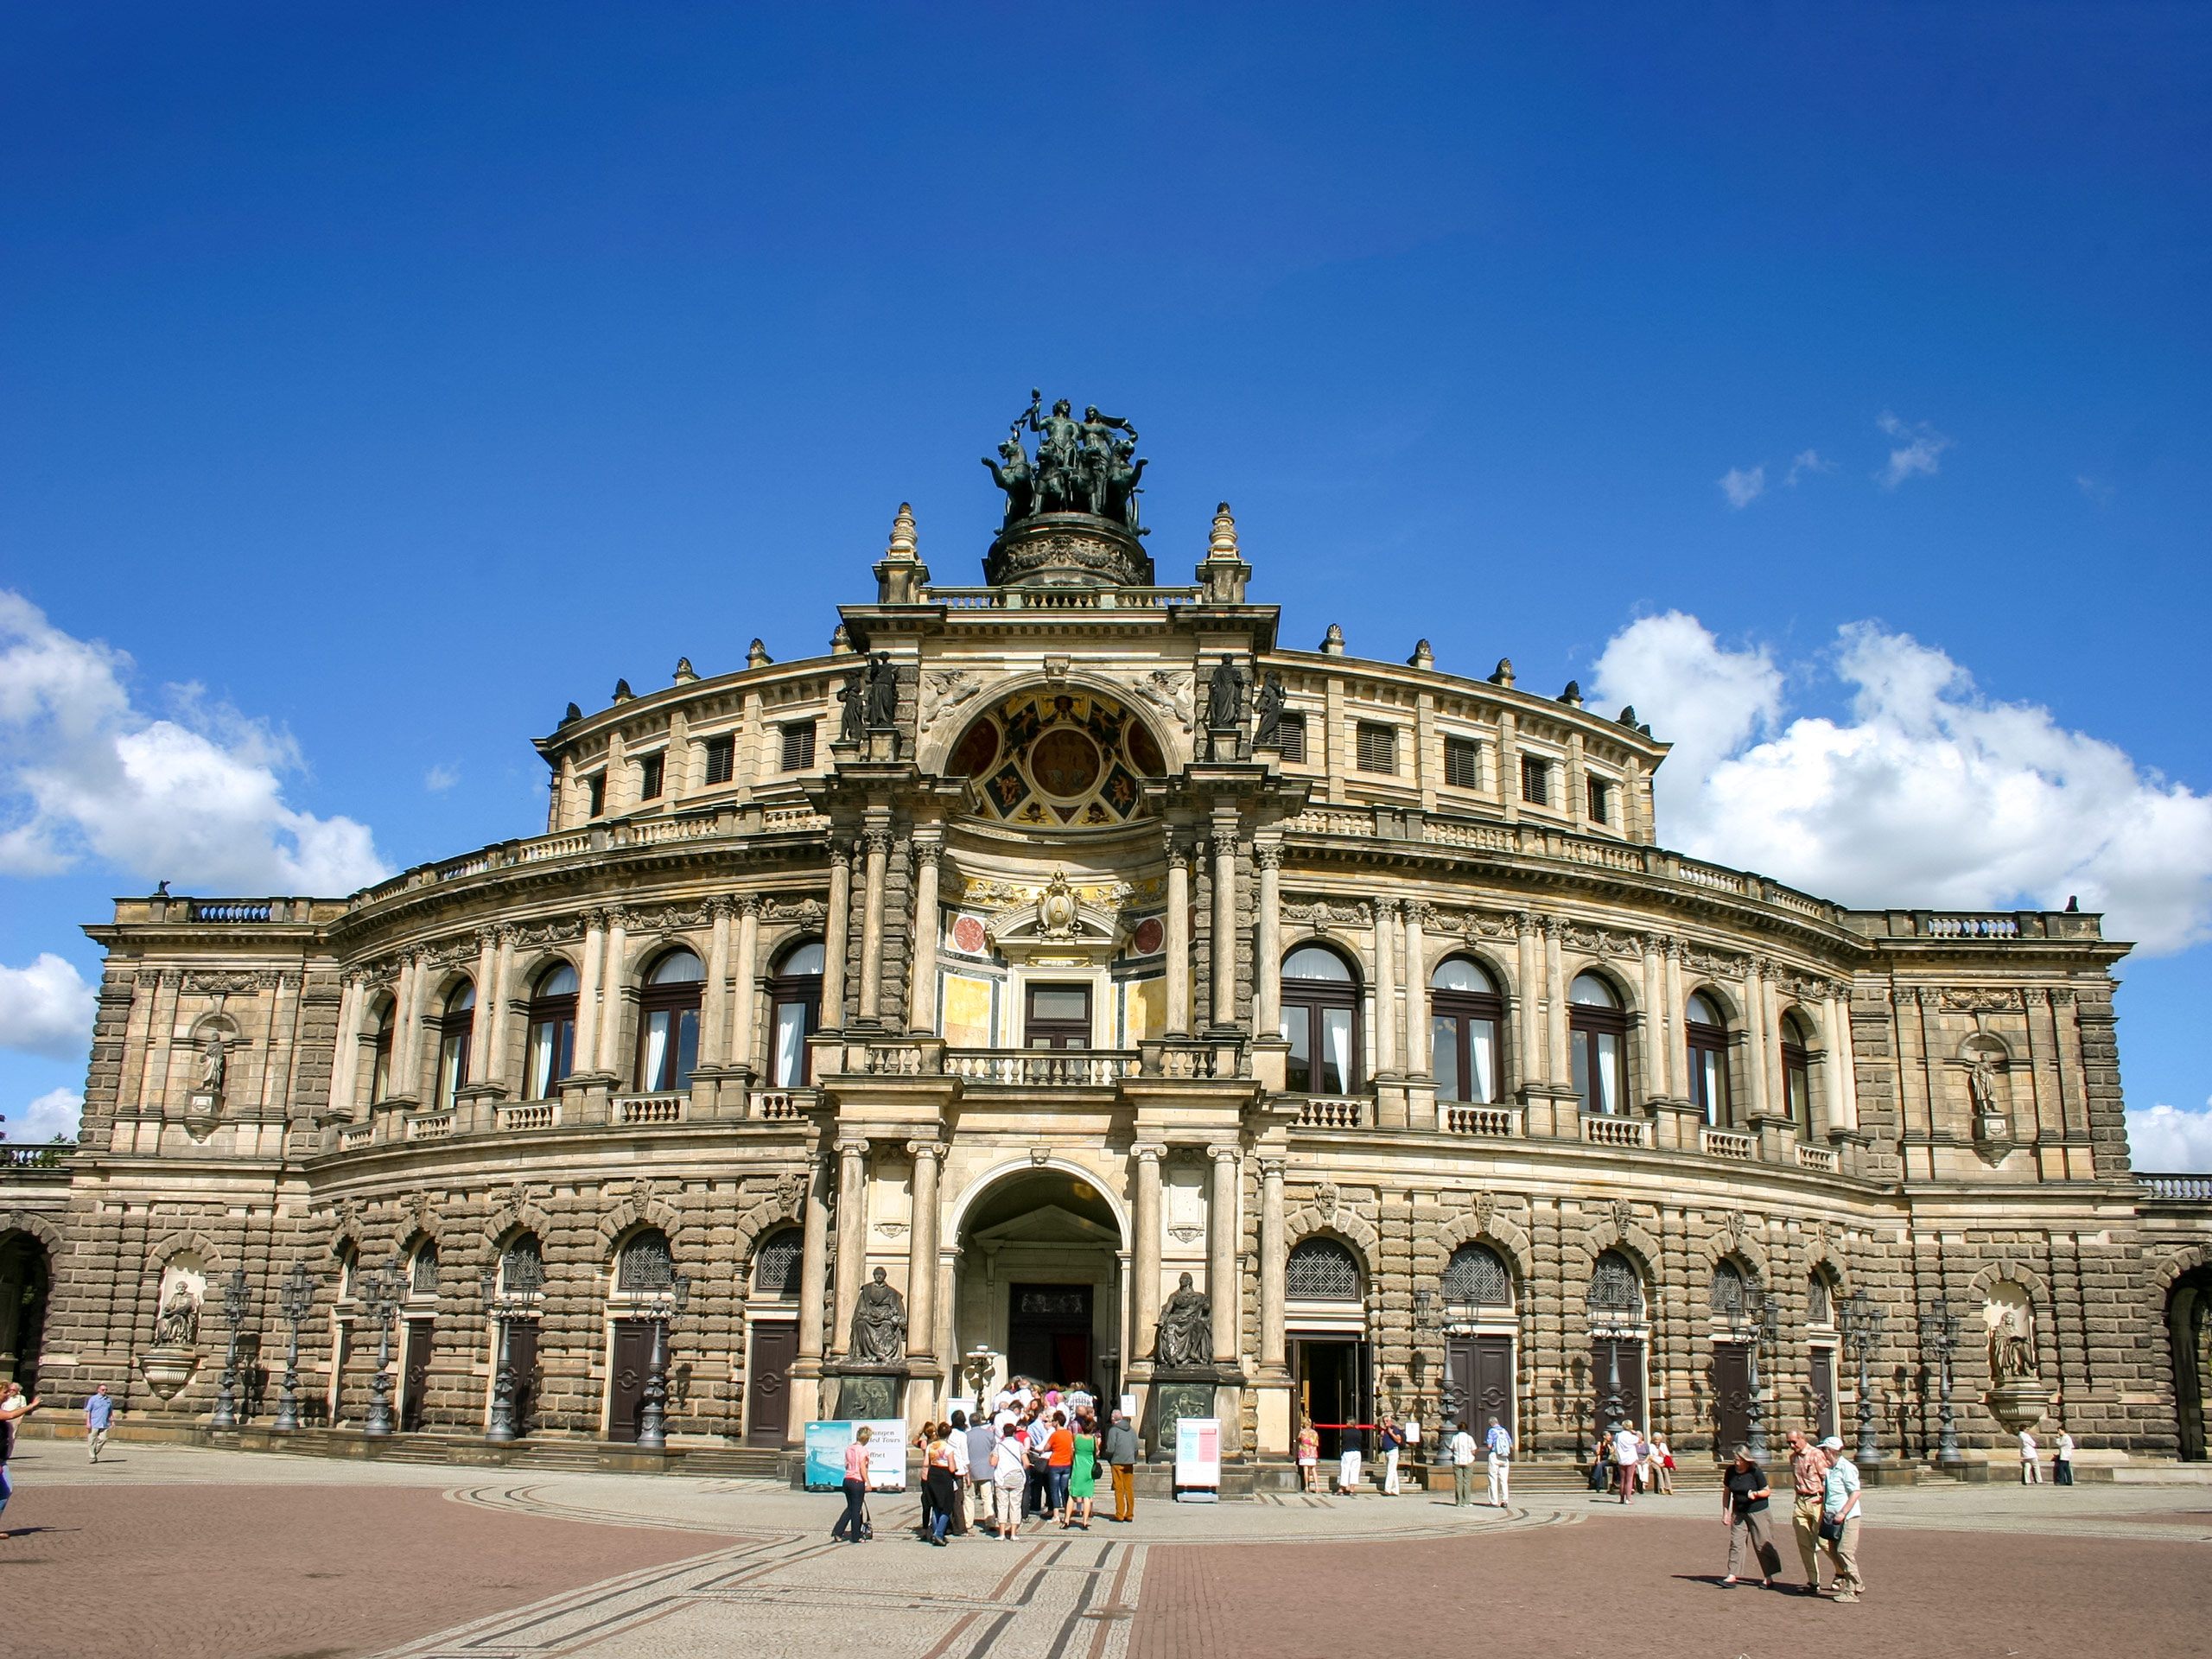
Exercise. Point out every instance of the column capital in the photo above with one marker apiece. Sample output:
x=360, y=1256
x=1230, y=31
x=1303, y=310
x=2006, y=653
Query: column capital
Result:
x=853, y=1147
x=928, y=848
x=932, y=1149
x=1268, y=855
x=1148, y=1152
x=876, y=838
x=841, y=852
x=488, y=938
x=1273, y=1167
x=1224, y=1155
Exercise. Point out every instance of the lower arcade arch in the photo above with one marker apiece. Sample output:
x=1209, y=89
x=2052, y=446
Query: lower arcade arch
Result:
x=2189, y=1325
x=1040, y=1282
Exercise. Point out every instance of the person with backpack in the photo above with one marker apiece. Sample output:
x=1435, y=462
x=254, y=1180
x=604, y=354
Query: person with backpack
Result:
x=1744, y=1498
x=1499, y=1439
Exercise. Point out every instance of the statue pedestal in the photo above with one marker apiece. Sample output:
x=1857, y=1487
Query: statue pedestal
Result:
x=2018, y=1404
x=1173, y=1392
x=167, y=1370
x=868, y=1392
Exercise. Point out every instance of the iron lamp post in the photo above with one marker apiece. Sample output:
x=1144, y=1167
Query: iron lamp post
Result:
x=653, y=1415
x=294, y=1302
x=503, y=1303
x=237, y=1302
x=1765, y=1332
x=1862, y=1334
x=1939, y=1329
x=380, y=1290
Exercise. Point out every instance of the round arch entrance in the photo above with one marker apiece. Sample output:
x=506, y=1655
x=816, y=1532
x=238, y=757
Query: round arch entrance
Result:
x=26, y=1277
x=1040, y=1281
x=2189, y=1312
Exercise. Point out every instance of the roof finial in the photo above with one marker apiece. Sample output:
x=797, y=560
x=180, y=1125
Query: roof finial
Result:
x=840, y=642
x=1572, y=695
x=685, y=674
x=758, y=656
x=902, y=535
x=1223, y=543
x=1332, y=642
x=622, y=691
x=1422, y=657
x=1502, y=673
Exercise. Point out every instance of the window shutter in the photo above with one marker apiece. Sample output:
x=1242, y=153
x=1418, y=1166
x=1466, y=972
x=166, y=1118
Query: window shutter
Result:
x=1462, y=763
x=1378, y=748
x=799, y=746
x=1535, y=781
x=1601, y=800
x=1292, y=739
x=721, y=759
x=649, y=779
x=597, y=785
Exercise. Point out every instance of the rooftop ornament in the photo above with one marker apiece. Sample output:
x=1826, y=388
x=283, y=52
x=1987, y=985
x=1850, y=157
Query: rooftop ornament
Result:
x=1072, y=505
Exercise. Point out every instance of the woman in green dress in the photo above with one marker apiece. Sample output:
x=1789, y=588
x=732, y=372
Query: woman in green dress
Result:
x=1084, y=1477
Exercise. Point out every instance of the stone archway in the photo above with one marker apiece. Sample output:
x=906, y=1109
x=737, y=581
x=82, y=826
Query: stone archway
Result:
x=1040, y=1283
x=2189, y=1312
x=26, y=1281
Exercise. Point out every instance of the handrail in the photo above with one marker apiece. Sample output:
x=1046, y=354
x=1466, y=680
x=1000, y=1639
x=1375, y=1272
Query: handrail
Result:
x=1496, y=1120
x=1727, y=1143
x=2178, y=1186
x=1332, y=1112
x=1047, y=1067
x=1601, y=1131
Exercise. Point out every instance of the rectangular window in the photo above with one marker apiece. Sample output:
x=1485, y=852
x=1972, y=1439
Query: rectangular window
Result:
x=1059, y=1017
x=799, y=746
x=1292, y=739
x=1462, y=763
x=1378, y=748
x=649, y=777
x=552, y=1050
x=721, y=759
x=597, y=785
x=1601, y=800
x=1595, y=1057
x=1535, y=781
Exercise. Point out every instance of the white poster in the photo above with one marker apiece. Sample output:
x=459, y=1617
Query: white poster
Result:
x=1198, y=1452
x=887, y=1456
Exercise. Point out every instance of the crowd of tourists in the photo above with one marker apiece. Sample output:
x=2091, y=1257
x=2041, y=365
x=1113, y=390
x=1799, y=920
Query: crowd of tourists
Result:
x=1035, y=1454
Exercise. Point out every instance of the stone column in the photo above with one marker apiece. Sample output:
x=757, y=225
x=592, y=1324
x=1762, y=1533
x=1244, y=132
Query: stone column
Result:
x=485, y=1018
x=1678, y=1051
x=1755, y=1036
x=833, y=937
x=1843, y=1097
x=744, y=995
x=1222, y=1281
x=1273, y=1261
x=1386, y=992
x=714, y=1007
x=494, y=1063
x=1224, y=924
x=921, y=999
x=1659, y=1019
x=1555, y=1012
x=1266, y=942
x=814, y=1259
x=1530, y=1054
x=921, y=1252
x=852, y=1237
x=1179, y=940
x=1144, y=1296
x=1417, y=1054
x=588, y=1017
x=409, y=1069
x=346, y=1057
x=610, y=1003
x=878, y=843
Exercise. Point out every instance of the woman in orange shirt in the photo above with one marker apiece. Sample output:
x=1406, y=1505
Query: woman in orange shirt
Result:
x=1060, y=1456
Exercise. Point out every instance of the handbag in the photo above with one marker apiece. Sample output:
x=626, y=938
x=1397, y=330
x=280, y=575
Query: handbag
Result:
x=1831, y=1531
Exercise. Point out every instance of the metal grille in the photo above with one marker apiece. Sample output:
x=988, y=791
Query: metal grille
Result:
x=1614, y=1288
x=1476, y=1274
x=1379, y=747
x=1728, y=1295
x=776, y=1265
x=1817, y=1308
x=1321, y=1270
x=1292, y=738
x=424, y=1278
x=522, y=1267
x=647, y=1263
x=1462, y=763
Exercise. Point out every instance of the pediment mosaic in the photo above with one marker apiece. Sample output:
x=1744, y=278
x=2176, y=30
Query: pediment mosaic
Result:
x=1057, y=759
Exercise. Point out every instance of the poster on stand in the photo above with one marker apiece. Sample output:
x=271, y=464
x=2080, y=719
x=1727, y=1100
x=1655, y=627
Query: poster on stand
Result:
x=1197, y=1459
x=825, y=1455
x=887, y=1454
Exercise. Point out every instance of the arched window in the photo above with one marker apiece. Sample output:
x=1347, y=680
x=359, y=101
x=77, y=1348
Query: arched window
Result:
x=423, y=1272
x=1465, y=1013
x=349, y=1272
x=1476, y=1276
x=380, y=1053
x=1704, y=1033
x=522, y=1267
x=454, y=1026
x=1320, y=1020
x=1597, y=1031
x=1616, y=1289
x=668, y=1023
x=1797, y=1074
x=1321, y=1270
x=794, y=995
x=645, y=1263
x=550, y=1053
x=1728, y=1294
x=1820, y=1300
x=776, y=1265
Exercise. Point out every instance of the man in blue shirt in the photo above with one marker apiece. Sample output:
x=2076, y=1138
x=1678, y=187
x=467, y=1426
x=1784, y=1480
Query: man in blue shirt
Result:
x=99, y=1411
x=1499, y=1439
x=1840, y=1504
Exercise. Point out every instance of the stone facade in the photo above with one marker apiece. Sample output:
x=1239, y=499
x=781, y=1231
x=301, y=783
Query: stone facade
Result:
x=1905, y=1105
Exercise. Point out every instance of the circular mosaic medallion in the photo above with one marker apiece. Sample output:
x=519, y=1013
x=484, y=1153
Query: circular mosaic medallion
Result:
x=1064, y=763
x=1148, y=937
x=968, y=934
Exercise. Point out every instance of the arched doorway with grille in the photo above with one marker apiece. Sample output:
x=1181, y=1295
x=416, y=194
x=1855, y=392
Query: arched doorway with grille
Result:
x=1331, y=1366
x=1480, y=1344
x=2189, y=1317
x=26, y=1279
x=1039, y=1286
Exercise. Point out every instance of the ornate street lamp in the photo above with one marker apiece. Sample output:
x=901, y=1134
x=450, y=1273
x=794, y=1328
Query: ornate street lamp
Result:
x=653, y=1416
x=294, y=1302
x=1939, y=1329
x=1862, y=1334
x=237, y=1303
x=1765, y=1332
x=380, y=1291
x=503, y=1305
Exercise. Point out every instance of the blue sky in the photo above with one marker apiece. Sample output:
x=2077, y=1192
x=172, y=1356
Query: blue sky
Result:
x=393, y=375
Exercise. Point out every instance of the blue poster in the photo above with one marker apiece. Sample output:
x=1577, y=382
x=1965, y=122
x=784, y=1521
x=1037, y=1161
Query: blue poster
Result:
x=825, y=1455
x=887, y=1454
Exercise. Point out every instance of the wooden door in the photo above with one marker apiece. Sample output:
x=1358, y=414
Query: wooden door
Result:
x=415, y=1374
x=522, y=1360
x=625, y=1378
x=1821, y=1384
x=1732, y=1396
x=768, y=1393
x=1490, y=1372
x=1628, y=1353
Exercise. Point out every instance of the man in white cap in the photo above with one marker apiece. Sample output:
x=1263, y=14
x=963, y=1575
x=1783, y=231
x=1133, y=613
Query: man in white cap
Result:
x=1840, y=1519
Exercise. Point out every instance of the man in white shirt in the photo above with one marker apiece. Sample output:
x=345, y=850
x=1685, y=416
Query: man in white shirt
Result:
x=1461, y=1449
x=1499, y=1439
x=2062, y=1462
x=1627, y=1453
x=2030, y=1471
x=956, y=1441
x=1840, y=1490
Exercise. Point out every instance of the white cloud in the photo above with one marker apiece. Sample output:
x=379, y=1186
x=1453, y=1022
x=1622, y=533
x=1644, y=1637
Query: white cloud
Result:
x=195, y=799
x=1927, y=794
x=1742, y=488
x=2169, y=1141
x=1921, y=447
x=46, y=1009
x=441, y=778
x=56, y=1112
x=1806, y=462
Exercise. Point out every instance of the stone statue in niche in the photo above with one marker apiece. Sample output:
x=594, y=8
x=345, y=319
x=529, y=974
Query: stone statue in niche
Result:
x=854, y=695
x=179, y=1324
x=1981, y=1084
x=883, y=692
x=1225, y=697
x=1185, y=1333
x=1268, y=704
x=879, y=1323
x=2012, y=1342
x=214, y=1066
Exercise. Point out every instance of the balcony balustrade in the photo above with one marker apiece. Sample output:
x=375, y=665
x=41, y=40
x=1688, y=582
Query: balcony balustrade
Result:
x=1497, y=1122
